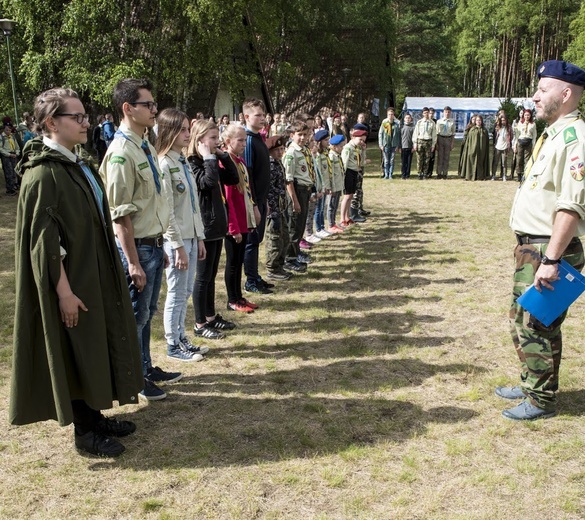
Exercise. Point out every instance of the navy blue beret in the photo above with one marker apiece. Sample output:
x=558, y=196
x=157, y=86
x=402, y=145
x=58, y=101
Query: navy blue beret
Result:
x=320, y=135
x=337, y=139
x=359, y=126
x=562, y=70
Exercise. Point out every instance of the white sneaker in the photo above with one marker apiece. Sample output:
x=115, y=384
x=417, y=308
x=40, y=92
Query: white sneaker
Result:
x=323, y=234
x=312, y=239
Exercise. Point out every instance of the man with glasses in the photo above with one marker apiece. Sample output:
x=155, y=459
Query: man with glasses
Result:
x=141, y=215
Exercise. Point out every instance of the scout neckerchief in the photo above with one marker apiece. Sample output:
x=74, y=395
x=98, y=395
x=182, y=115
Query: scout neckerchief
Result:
x=330, y=166
x=95, y=187
x=535, y=152
x=148, y=153
x=183, y=161
x=309, y=160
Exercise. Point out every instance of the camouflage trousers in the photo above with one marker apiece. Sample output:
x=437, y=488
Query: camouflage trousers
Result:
x=539, y=348
x=423, y=155
x=277, y=242
x=357, y=201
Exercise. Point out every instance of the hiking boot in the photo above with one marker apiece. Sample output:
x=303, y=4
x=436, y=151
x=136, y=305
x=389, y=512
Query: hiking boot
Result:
x=510, y=392
x=98, y=444
x=277, y=275
x=526, y=411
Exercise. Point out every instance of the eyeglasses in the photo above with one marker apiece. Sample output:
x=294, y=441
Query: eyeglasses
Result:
x=79, y=117
x=148, y=104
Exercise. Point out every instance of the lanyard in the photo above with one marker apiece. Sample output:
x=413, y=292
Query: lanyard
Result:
x=148, y=153
x=183, y=161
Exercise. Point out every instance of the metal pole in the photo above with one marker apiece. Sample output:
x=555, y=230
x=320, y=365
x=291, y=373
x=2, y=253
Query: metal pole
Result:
x=16, y=120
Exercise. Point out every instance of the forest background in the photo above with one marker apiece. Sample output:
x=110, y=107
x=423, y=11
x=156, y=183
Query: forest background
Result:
x=334, y=53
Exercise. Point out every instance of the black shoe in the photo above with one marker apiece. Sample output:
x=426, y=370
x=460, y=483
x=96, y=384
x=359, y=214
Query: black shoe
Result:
x=256, y=288
x=220, y=324
x=208, y=332
x=358, y=218
x=364, y=213
x=277, y=275
x=265, y=284
x=157, y=375
x=114, y=428
x=152, y=392
x=295, y=267
x=98, y=444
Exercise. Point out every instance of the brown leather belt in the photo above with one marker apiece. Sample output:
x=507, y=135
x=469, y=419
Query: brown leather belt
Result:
x=156, y=241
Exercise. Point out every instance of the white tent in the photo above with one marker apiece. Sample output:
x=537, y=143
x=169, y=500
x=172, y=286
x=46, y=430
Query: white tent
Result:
x=463, y=108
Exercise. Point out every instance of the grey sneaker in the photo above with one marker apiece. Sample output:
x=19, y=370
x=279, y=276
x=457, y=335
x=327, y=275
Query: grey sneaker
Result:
x=526, y=411
x=187, y=345
x=180, y=353
x=509, y=392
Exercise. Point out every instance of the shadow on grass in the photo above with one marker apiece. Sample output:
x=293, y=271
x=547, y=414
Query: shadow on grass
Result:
x=572, y=402
x=208, y=431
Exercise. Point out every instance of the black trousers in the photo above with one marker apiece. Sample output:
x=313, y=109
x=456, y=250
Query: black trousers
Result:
x=204, y=289
x=234, y=260
x=84, y=417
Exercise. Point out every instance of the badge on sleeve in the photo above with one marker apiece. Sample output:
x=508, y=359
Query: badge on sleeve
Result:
x=116, y=159
x=577, y=168
x=569, y=135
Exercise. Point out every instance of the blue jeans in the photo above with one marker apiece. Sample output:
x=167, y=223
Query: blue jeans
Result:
x=179, y=287
x=389, y=161
x=145, y=303
x=255, y=238
x=320, y=214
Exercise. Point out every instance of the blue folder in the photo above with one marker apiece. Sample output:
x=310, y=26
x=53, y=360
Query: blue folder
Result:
x=547, y=306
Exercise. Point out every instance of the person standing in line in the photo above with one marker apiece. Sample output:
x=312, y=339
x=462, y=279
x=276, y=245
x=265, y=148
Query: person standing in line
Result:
x=184, y=237
x=140, y=214
x=445, y=142
x=475, y=160
x=429, y=172
x=9, y=154
x=548, y=216
x=502, y=141
x=389, y=140
x=406, y=133
x=524, y=141
x=424, y=140
x=75, y=344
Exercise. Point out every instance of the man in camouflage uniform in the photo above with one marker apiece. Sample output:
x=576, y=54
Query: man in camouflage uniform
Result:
x=424, y=140
x=547, y=216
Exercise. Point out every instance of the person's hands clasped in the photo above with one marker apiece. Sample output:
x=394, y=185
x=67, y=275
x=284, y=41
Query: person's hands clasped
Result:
x=69, y=306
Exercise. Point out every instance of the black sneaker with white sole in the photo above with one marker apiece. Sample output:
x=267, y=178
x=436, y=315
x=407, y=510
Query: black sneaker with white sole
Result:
x=219, y=323
x=208, y=332
x=186, y=342
x=152, y=392
x=157, y=375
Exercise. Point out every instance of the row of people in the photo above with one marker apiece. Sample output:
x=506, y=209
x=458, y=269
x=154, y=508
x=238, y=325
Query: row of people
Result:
x=91, y=248
x=516, y=140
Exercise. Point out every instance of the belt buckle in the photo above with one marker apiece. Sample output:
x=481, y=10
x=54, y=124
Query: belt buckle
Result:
x=158, y=241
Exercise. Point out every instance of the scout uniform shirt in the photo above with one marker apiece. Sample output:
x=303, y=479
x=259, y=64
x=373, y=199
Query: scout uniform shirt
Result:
x=555, y=181
x=525, y=130
x=445, y=127
x=351, y=157
x=131, y=185
x=8, y=145
x=296, y=167
x=180, y=188
x=425, y=130
x=338, y=171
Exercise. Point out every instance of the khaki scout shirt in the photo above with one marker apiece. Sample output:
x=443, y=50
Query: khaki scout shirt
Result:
x=338, y=172
x=295, y=166
x=130, y=185
x=556, y=180
x=426, y=130
x=351, y=157
x=445, y=127
x=184, y=221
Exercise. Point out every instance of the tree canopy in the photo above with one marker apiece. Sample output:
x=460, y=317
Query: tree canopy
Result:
x=338, y=53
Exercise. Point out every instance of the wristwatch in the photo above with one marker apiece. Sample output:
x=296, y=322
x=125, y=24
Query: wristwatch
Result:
x=548, y=261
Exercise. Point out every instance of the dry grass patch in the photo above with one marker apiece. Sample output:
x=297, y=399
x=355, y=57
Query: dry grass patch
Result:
x=363, y=389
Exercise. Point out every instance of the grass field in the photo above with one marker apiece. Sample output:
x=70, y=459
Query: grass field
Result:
x=362, y=390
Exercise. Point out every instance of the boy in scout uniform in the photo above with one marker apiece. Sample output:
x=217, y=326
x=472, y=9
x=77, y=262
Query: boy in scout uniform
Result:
x=424, y=139
x=445, y=142
x=299, y=186
x=548, y=216
x=140, y=214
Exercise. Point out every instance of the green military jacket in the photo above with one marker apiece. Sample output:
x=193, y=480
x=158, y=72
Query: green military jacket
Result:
x=99, y=360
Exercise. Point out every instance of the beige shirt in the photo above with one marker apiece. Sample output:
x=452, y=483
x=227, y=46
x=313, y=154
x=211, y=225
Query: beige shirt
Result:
x=338, y=171
x=184, y=221
x=445, y=127
x=426, y=130
x=556, y=180
x=130, y=185
x=295, y=166
x=351, y=157
x=525, y=130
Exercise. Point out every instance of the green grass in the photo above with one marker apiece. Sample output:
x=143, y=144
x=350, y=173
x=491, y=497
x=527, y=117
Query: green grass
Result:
x=361, y=390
